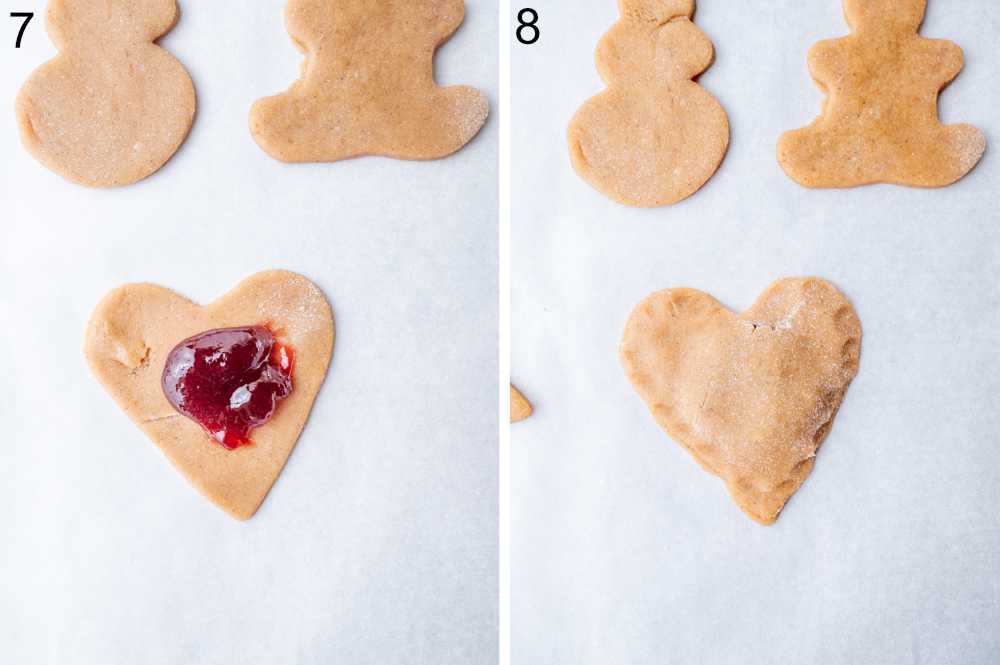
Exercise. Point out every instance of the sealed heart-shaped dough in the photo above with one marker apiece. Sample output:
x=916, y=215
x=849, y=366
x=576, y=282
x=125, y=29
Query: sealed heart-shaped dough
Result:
x=750, y=396
x=135, y=327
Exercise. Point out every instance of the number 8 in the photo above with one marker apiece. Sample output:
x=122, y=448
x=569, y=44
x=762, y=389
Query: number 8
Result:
x=529, y=23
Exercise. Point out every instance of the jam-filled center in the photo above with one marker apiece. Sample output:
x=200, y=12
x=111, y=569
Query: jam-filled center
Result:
x=229, y=381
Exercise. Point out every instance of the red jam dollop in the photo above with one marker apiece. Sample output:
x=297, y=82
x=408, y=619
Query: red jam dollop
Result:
x=228, y=381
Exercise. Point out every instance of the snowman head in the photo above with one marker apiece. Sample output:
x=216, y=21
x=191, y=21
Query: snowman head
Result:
x=907, y=14
x=93, y=23
x=656, y=11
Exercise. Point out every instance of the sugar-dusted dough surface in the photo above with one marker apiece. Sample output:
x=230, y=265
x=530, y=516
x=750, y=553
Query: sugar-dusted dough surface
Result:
x=520, y=408
x=880, y=120
x=654, y=136
x=750, y=396
x=367, y=84
x=134, y=328
x=112, y=107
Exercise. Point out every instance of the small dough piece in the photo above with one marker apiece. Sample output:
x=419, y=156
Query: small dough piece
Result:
x=367, y=84
x=520, y=408
x=136, y=326
x=880, y=120
x=654, y=136
x=750, y=396
x=112, y=107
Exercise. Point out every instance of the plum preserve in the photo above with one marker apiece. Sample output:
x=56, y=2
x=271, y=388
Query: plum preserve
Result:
x=229, y=381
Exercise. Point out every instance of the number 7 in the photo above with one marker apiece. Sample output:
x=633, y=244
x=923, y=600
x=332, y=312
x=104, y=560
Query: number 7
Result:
x=27, y=16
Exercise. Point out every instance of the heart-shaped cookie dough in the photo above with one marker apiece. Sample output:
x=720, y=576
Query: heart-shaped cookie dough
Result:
x=750, y=396
x=136, y=326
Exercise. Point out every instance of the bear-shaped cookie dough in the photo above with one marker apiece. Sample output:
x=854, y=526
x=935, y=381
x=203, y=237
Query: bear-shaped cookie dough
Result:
x=112, y=107
x=880, y=119
x=654, y=136
x=367, y=84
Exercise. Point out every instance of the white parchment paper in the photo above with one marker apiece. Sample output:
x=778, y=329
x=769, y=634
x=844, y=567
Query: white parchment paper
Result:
x=624, y=551
x=377, y=544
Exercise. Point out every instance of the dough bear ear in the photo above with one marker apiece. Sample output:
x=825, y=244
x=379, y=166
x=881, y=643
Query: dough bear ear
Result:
x=658, y=11
x=90, y=22
x=872, y=13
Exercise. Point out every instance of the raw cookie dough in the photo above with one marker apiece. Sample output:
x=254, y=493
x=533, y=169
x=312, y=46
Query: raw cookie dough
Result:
x=137, y=325
x=880, y=120
x=367, y=84
x=520, y=408
x=750, y=396
x=112, y=107
x=654, y=136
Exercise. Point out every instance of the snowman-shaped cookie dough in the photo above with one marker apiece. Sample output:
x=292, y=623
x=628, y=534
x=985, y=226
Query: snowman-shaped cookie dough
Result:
x=112, y=107
x=654, y=136
x=880, y=120
x=367, y=85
